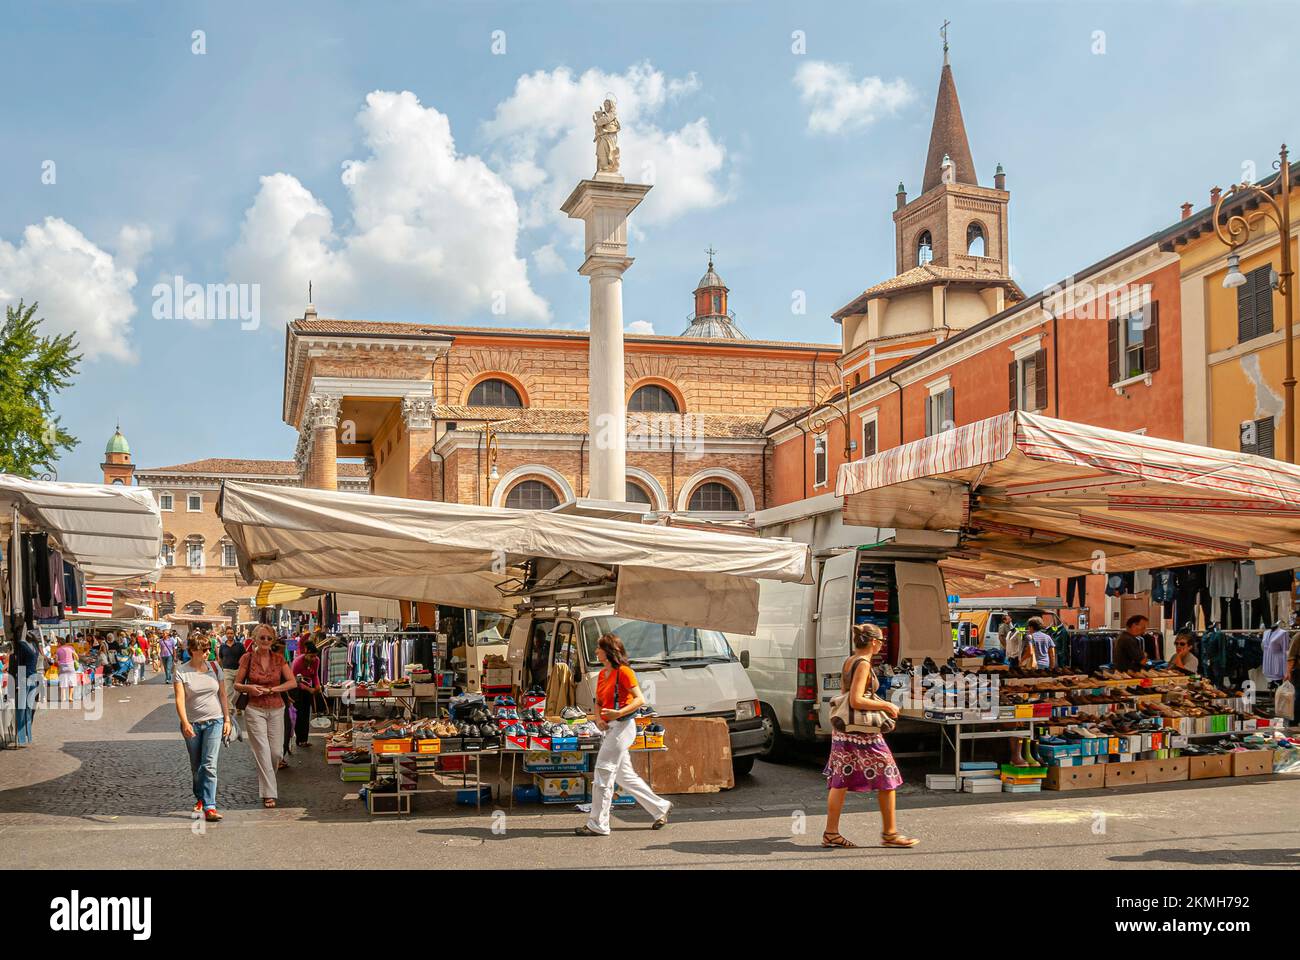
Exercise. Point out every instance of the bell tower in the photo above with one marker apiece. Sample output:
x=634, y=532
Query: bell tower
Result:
x=954, y=222
x=117, y=465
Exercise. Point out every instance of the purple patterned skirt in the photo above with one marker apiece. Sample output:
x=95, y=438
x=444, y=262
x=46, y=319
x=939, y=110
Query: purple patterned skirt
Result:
x=861, y=762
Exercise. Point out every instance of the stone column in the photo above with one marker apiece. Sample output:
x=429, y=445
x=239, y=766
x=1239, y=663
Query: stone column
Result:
x=603, y=204
x=321, y=421
x=417, y=413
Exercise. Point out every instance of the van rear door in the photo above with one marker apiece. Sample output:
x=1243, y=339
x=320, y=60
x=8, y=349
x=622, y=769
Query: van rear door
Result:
x=834, y=607
x=923, y=626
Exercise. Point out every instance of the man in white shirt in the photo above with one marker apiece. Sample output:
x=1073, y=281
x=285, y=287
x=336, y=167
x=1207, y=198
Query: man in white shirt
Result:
x=1183, y=657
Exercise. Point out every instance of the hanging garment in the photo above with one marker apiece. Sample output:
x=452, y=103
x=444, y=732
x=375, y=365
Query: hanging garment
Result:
x=1247, y=581
x=1214, y=655
x=1142, y=581
x=1163, y=586
x=1076, y=585
x=1222, y=577
x=1273, y=651
x=1279, y=581
x=1119, y=584
x=560, y=691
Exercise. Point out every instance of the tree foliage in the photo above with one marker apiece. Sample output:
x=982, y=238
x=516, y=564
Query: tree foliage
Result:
x=33, y=369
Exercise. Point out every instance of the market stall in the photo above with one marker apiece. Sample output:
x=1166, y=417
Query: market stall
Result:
x=57, y=536
x=1035, y=498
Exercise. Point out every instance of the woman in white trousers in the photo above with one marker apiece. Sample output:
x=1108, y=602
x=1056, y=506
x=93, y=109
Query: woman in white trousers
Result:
x=264, y=677
x=618, y=698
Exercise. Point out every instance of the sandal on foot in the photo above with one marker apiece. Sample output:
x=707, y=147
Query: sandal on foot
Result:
x=836, y=840
x=897, y=840
x=661, y=822
x=282, y=765
x=268, y=802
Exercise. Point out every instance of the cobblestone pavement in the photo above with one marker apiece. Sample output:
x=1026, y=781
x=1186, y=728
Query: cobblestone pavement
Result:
x=111, y=789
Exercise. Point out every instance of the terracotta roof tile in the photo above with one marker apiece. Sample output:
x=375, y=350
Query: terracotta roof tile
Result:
x=925, y=275
x=261, y=468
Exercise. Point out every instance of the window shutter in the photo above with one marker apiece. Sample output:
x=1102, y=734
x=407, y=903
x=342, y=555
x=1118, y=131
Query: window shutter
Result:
x=1112, y=338
x=1264, y=437
x=1040, y=380
x=869, y=439
x=1246, y=309
x=1011, y=383
x=949, y=415
x=929, y=416
x=1151, y=338
x=1263, y=301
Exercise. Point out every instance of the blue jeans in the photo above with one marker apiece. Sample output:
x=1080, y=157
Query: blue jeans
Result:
x=24, y=709
x=167, y=668
x=203, y=748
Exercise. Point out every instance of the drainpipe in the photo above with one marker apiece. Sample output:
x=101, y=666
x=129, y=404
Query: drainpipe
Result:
x=582, y=450
x=478, y=469
x=803, y=450
x=1056, y=376
x=767, y=442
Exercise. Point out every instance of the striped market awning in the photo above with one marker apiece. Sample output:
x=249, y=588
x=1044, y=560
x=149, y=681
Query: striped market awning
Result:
x=1037, y=497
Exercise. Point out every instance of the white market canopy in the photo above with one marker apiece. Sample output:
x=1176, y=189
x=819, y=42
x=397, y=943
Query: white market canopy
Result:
x=1039, y=498
x=110, y=532
x=468, y=556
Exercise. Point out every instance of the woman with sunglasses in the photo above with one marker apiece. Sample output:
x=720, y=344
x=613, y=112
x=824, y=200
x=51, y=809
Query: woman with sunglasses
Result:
x=265, y=678
x=1184, y=658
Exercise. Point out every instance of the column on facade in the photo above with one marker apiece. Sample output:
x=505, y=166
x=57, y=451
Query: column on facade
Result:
x=321, y=423
x=422, y=472
x=607, y=413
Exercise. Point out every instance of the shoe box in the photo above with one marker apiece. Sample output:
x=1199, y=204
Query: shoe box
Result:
x=549, y=761
x=561, y=788
x=1209, y=767
x=354, y=772
x=1251, y=763
x=391, y=745
x=981, y=784
x=941, y=781
x=1075, y=778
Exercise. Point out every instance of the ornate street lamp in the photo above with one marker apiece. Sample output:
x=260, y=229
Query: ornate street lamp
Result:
x=819, y=418
x=1234, y=232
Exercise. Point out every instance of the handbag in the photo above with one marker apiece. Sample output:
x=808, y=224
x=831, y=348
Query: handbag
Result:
x=848, y=720
x=1028, y=656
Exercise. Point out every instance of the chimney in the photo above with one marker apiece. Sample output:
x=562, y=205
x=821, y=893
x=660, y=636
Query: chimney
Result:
x=999, y=179
x=902, y=195
x=1214, y=195
x=1187, y=211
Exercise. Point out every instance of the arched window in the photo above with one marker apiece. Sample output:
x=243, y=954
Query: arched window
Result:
x=713, y=497
x=975, y=240
x=637, y=494
x=494, y=393
x=652, y=398
x=532, y=495
x=924, y=249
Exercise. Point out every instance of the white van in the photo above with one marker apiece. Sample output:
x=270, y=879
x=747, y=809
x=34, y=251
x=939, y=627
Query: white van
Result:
x=683, y=671
x=863, y=575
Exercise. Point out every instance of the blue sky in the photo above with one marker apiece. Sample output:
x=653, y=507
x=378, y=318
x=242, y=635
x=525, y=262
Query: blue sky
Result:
x=229, y=165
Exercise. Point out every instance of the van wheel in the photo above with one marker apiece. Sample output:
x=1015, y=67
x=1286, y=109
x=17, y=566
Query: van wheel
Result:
x=777, y=747
x=742, y=766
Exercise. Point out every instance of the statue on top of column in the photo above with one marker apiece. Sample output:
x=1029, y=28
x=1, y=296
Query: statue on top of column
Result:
x=606, y=139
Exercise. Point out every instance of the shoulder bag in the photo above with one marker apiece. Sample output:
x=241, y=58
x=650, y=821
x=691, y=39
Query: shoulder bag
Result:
x=848, y=720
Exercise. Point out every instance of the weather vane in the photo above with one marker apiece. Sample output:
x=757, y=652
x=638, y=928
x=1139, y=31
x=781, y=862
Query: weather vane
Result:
x=943, y=32
x=710, y=252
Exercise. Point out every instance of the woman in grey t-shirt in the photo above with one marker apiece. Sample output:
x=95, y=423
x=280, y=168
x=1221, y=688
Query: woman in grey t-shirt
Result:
x=205, y=721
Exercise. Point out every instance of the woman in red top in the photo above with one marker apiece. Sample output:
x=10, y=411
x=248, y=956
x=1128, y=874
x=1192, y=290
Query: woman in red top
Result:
x=618, y=698
x=265, y=677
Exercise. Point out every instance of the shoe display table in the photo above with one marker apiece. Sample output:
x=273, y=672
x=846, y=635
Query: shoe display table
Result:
x=955, y=732
x=393, y=761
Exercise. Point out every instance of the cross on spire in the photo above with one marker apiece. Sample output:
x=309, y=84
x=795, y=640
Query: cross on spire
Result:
x=943, y=32
x=710, y=252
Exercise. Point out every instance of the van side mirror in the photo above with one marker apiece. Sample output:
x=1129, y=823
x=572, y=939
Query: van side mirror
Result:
x=744, y=659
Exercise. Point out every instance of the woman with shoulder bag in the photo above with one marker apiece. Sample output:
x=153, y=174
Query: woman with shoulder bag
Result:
x=260, y=683
x=205, y=722
x=860, y=759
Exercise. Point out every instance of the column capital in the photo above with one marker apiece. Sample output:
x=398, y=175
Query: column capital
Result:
x=604, y=265
x=417, y=412
x=322, y=411
x=302, y=453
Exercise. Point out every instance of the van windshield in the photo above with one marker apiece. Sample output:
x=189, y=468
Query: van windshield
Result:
x=656, y=642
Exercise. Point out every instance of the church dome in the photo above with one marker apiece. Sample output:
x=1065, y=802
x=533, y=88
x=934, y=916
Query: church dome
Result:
x=710, y=280
x=117, y=443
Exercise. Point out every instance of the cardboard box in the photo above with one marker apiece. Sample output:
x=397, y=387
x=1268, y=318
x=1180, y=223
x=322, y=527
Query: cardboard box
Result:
x=497, y=678
x=395, y=745
x=428, y=746
x=549, y=762
x=1075, y=778
x=1252, y=763
x=1126, y=774
x=589, y=744
x=452, y=744
x=539, y=743
x=424, y=691
x=559, y=788
x=1167, y=771
x=1209, y=767
x=519, y=742
x=564, y=744
x=940, y=781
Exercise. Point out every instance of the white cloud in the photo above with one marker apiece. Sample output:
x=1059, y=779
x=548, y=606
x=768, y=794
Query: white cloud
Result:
x=640, y=326
x=546, y=260
x=430, y=230
x=839, y=104
x=542, y=134
x=82, y=288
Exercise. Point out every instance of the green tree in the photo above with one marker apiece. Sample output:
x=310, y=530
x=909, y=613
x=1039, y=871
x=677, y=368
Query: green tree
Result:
x=33, y=369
